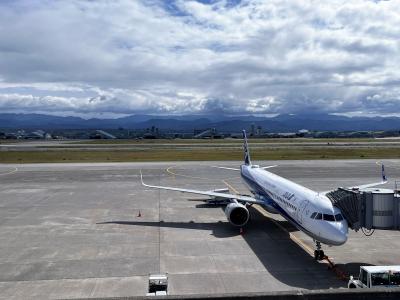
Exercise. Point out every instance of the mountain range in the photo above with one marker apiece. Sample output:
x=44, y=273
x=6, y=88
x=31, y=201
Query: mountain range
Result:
x=280, y=123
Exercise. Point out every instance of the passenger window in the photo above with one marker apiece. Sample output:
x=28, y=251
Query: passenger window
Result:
x=329, y=218
x=339, y=217
x=313, y=215
x=318, y=216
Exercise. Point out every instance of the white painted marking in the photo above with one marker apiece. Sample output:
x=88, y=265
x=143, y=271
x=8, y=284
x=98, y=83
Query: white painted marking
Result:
x=13, y=171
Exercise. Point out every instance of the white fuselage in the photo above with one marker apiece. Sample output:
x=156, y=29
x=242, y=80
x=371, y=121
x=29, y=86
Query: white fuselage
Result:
x=309, y=211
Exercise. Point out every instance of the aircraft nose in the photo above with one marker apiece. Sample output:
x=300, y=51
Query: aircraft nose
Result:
x=340, y=238
x=340, y=233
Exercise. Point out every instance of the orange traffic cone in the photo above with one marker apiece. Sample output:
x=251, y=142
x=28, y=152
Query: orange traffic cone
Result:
x=139, y=214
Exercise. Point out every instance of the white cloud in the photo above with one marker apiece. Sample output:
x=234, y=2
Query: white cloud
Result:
x=175, y=57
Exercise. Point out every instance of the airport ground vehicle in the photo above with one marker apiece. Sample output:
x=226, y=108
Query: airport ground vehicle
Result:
x=376, y=276
x=158, y=285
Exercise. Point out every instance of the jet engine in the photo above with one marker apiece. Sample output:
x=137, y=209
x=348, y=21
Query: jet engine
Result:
x=237, y=214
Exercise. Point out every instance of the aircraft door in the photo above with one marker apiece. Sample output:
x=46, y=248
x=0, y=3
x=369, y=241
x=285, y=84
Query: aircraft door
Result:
x=301, y=210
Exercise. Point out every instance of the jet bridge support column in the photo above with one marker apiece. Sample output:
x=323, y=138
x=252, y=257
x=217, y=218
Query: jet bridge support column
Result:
x=396, y=211
x=367, y=213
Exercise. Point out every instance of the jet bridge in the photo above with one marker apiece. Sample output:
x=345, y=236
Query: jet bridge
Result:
x=369, y=209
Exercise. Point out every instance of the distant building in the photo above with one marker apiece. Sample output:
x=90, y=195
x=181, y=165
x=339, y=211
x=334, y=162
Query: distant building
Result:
x=149, y=136
x=204, y=134
x=237, y=135
x=303, y=131
x=253, y=129
x=282, y=135
x=40, y=134
x=287, y=134
x=11, y=136
x=210, y=133
x=105, y=135
x=259, y=130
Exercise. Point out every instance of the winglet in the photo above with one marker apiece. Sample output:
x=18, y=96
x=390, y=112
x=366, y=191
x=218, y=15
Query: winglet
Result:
x=384, y=178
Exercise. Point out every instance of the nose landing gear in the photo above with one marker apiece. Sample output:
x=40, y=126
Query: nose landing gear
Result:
x=318, y=253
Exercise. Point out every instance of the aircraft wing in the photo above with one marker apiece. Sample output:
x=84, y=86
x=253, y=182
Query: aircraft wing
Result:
x=206, y=193
x=368, y=185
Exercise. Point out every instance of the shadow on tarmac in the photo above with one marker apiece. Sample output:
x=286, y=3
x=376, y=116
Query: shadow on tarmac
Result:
x=281, y=256
x=218, y=229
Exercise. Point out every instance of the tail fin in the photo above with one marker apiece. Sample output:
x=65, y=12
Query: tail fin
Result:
x=247, y=160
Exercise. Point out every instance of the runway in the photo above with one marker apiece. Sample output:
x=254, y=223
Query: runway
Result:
x=66, y=145
x=74, y=231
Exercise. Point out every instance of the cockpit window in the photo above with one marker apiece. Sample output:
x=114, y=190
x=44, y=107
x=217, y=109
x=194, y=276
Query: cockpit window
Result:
x=339, y=217
x=326, y=217
x=329, y=218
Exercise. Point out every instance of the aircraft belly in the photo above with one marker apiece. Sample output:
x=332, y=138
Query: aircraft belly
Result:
x=270, y=208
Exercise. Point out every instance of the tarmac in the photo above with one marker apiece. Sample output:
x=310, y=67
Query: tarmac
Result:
x=92, y=230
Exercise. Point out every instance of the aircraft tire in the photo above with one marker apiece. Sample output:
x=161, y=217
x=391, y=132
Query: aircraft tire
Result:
x=319, y=254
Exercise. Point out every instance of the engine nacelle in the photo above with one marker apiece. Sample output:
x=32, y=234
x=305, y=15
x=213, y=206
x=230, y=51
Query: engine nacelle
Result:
x=237, y=214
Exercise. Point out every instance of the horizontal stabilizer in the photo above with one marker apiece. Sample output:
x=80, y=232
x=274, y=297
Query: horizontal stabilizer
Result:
x=226, y=168
x=269, y=167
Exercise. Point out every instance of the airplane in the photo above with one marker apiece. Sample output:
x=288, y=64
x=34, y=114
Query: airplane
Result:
x=309, y=211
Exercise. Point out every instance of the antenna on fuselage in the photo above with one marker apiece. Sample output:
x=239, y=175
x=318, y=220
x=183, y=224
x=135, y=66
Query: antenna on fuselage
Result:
x=247, y=160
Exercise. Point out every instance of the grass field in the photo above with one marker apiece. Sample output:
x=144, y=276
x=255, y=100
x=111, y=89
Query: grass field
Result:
x=194, y=155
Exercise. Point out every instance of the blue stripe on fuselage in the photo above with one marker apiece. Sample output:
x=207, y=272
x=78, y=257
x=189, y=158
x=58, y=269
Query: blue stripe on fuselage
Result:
x=255, y=187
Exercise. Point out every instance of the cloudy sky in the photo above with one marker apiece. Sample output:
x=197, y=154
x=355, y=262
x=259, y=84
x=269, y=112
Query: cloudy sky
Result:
x=109, y=58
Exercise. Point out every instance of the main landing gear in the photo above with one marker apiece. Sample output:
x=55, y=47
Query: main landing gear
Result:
x=318, y=253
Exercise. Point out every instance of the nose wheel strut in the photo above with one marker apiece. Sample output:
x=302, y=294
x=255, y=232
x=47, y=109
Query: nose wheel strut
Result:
x=318, y=253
